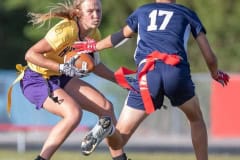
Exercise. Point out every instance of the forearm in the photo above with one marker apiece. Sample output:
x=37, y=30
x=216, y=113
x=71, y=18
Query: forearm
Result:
x=208, y=54
x=40, y=60
x=212, y=65
x=104, y=43
x=36, y=56
x=211, y=60
x=103, y=71
x=115, y=39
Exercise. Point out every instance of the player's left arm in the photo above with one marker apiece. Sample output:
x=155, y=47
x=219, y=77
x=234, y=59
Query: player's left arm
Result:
x=113, y=40
x=211, y=59
x=207, y=53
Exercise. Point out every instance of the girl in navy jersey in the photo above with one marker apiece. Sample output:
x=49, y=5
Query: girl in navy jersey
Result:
x=163, y=29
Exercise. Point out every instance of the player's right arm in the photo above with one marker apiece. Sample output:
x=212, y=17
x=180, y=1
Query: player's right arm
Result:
x=47, y=54
x=35, y=55
x=115, y=39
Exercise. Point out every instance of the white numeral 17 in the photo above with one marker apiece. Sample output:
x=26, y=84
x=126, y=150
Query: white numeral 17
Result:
x=153, y=19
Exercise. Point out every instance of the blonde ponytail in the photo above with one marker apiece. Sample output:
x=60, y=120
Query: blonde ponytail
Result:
x=59, y=10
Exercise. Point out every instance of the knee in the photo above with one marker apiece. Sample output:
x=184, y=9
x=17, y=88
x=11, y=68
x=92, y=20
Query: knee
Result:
x=73, y=118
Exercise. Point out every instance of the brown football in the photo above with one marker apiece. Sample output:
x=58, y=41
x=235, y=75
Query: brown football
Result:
x=84, y=60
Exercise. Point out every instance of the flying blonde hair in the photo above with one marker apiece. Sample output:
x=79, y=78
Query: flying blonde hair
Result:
x=66, y=9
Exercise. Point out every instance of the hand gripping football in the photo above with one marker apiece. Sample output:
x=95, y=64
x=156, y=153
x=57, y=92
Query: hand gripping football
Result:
x=84, y=61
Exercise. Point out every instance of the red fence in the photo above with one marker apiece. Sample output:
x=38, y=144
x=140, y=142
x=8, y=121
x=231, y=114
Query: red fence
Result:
x=225, y=109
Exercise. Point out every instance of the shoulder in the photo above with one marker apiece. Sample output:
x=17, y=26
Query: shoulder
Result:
x=64, y=26
x=64, y=32
x=95, y=34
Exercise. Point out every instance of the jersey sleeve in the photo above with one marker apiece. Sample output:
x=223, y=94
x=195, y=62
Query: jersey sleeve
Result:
x=132, y=21
x=62, y=34
x=196, y=25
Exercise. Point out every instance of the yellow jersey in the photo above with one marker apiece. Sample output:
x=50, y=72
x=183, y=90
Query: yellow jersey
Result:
x=61, y=37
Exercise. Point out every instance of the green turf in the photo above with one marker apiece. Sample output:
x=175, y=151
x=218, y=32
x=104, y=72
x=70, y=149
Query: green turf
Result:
x=67, y=155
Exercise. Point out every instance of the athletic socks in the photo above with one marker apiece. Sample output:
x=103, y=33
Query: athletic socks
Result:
x=39, y=158
x=121, y=157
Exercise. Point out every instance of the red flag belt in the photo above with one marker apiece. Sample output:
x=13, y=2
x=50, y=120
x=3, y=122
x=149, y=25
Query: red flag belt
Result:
x=143, y=85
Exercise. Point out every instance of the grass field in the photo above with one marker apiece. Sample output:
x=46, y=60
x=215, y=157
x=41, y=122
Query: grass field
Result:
x=67, y=155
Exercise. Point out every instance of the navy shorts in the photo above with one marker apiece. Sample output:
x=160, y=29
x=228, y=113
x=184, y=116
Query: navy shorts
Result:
x=36, y=88
x=173, y=82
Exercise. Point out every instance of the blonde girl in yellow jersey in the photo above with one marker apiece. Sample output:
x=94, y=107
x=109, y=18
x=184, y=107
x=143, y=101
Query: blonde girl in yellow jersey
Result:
x=56, y=87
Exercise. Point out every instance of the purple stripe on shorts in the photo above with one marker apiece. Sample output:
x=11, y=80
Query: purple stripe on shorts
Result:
x=36, y=89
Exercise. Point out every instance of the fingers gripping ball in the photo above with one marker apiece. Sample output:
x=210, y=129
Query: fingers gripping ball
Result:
x=83, y=61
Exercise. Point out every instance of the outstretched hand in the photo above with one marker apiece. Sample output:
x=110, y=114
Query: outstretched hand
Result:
x=222, y=78
x=88, y=46
x=69, y=70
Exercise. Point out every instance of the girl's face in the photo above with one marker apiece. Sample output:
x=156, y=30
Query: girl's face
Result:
x=91, y=14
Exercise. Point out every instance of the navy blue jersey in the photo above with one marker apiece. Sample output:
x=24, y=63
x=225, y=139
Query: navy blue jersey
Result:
x=163, y=27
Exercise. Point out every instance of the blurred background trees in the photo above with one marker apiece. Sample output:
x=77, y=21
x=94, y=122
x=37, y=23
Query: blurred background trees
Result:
x=219, y=17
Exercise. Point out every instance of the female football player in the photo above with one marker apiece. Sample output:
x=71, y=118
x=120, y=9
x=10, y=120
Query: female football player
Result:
x=55, y=86
x=163, y=29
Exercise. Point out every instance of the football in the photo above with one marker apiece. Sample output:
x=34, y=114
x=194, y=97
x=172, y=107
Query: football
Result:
x=84, y=61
